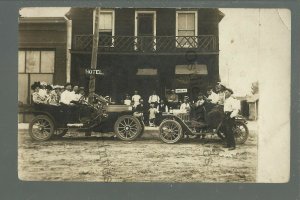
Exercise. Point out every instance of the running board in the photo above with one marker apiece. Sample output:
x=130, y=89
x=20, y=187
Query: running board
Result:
x=75, y=125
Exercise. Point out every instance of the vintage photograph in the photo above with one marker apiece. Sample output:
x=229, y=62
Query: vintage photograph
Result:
x=149, y=94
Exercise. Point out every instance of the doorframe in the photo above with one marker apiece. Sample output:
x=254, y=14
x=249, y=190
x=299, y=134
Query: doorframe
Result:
x=136, y=24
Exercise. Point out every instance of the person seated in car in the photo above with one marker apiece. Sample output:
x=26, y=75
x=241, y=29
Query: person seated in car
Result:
x=199, y=107
x=56, y=93
x=68, y=96
x=50, y=96
x=82, y=96
x=76, y=93
x=36, y=97
x=42, y=90
x=185, y=106
x=212, y=97
x=127, y=100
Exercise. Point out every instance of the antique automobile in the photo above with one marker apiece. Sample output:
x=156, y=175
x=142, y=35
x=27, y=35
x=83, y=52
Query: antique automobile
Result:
x=52, y=121
x=175, y=125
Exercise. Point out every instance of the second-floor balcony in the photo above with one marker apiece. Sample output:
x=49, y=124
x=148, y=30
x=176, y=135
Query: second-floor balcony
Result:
x=201, y=44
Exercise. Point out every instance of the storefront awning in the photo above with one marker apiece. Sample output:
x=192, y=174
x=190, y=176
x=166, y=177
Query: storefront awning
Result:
x=199, y=69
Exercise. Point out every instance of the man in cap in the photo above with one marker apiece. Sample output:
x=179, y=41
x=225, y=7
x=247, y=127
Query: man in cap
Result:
x=67, y=96
x=231, y=109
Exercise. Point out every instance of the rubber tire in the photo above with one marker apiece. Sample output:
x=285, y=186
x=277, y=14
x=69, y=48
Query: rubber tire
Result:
x=44, y=117
x=176, y=139
x=120, y=119
x=246, y=134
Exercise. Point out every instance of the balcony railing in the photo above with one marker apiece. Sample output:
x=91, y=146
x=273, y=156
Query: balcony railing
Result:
x=148, y=44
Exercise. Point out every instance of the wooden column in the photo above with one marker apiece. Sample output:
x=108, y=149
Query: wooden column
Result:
x=94, y=52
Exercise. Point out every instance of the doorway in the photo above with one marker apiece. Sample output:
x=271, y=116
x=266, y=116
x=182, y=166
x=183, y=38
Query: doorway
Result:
x=145, y=31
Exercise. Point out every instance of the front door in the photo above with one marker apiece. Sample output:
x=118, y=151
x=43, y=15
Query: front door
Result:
x=145, y=31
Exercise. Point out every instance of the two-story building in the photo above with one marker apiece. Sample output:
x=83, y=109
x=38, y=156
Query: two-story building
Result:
x=147, y=49
x=42, y=55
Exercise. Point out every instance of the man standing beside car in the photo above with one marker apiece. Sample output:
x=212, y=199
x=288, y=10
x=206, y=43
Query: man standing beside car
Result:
x=231, y=109
x=136, y=98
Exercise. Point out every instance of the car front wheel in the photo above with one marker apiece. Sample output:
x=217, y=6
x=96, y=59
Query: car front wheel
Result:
x=127, y=128
x=170, y=131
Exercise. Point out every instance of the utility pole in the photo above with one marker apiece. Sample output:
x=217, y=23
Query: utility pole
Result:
x=94, y=54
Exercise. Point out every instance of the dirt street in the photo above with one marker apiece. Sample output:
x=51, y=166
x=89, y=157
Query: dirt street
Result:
x=105, y=159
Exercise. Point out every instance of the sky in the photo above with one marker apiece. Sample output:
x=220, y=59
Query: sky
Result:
x=240, y=41
x=241, y=32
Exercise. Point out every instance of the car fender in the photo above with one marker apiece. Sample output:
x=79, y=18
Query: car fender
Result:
x=35, y=113
x=173, y=117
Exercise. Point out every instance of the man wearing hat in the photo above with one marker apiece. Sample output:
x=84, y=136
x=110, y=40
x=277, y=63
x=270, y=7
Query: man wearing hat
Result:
x=231, y=109
x=220, y=88
x=67, y=96
x=43, y=91
x=172, y=99
x=36, y=97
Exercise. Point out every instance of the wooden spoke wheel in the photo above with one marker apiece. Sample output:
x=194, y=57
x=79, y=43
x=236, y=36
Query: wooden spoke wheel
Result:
x=127, y=128
x=170, y=131
x=41, y=128
x=241, y=132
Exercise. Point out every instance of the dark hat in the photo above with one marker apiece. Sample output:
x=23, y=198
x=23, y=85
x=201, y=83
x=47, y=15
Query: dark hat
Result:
x=49, y=87
x=35, y=85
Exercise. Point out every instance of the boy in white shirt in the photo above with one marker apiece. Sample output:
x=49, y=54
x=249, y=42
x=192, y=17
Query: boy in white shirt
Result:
x=136, y=98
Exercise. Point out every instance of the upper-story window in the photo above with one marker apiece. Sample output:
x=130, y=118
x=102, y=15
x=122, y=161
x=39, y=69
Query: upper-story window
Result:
x=106, y=27
x=186, y=29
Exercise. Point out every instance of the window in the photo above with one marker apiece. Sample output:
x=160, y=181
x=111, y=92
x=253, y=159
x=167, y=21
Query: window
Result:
x=106, y=27
x=34, y=65
x=186, y=29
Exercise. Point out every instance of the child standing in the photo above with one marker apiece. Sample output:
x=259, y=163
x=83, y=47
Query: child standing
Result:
x=152, y=113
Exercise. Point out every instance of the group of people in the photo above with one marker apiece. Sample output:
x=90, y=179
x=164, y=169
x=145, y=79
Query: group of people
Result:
x=44, y=93
x=220, y=95
x=153, y=109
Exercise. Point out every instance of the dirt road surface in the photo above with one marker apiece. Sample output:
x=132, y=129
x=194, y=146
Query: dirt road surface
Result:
x=104, y=159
